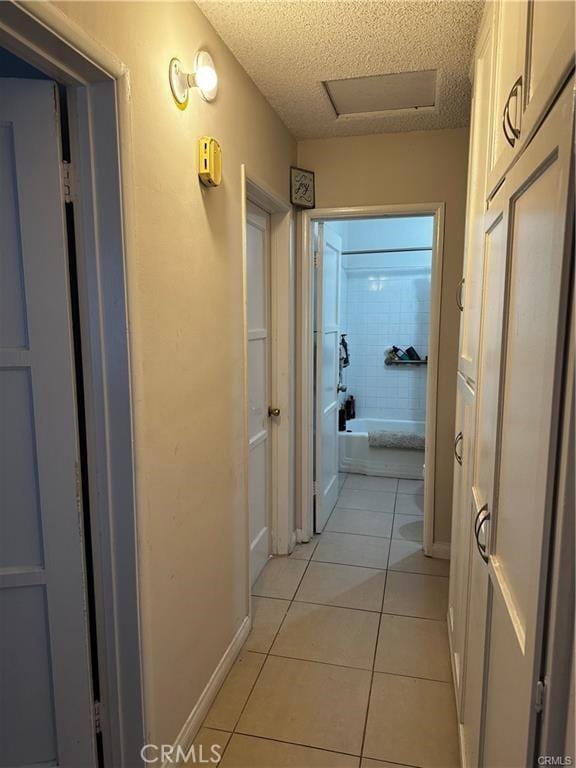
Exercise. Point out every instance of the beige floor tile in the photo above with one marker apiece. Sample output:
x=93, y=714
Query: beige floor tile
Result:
x=412, y=721
x=231, y=698
x=409, y=504
x=376, y=501
x=409, y=556
x=343, y=585
x=251, y=752
x=369, y=483
x=267, y=615
x=279, y=578
x=411, y=486
x=316, y=705
x=350, y=549
x=367, y=763
x=208, y=745
x=305, y=551
x=408, y=527
x=329, y=634
x=360, y=521
x=414, y=647
x=412, y=594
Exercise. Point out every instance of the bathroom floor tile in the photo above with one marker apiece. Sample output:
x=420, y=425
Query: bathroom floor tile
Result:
x=370, y=483
x=207, y=745
x=344, y=585
x=279, y=578
x=305, y=551
x=328, y=634
x=412, y=594
x=368, y=763
x=231, y=698
x=267, y=615
x=341, y=479
x=252, y=752
x=376, y=501
x=409, y=556
x=409, y=504
x=351, y=549
x=361, y=521
x=412, y=721
x=413, y=647
x=411, y=486
x=316, y=705
x=408, y=527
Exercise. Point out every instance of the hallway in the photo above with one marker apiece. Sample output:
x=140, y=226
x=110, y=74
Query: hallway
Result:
x=348, y=655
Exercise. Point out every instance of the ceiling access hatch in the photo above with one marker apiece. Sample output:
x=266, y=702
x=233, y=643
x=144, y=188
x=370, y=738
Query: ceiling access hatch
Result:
x=382, y=93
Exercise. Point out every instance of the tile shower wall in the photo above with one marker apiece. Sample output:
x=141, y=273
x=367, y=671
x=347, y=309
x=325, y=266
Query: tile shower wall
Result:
x=382, y=307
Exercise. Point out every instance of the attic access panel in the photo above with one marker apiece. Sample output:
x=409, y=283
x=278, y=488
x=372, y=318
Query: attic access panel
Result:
x=382, y=93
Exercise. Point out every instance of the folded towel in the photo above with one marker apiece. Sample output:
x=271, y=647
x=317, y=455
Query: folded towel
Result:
x=384, y=439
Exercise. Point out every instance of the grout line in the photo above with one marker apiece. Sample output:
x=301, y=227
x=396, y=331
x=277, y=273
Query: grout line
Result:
x=300, y=744
x=329, y=663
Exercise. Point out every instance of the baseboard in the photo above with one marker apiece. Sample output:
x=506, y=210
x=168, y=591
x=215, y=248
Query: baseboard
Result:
x=196, y=717
x=441, y=550
x=293, y=541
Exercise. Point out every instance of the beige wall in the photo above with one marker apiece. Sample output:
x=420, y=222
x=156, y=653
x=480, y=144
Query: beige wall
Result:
x=184, y=276
x=418, y=167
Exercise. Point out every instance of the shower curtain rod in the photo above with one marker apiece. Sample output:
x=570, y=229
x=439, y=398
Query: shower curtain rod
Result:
x=386, y=250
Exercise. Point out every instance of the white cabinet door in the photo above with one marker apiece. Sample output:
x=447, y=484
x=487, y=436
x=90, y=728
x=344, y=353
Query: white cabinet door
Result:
x=482, y=475
x=471, y=289
x=458, y=593
x=46, y=700
x=537, y=191
x=326, y=463
x=258, y=312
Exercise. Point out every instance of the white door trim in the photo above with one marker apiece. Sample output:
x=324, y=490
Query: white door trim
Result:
x=100, y=112
x=306, y=352
x=282, y=387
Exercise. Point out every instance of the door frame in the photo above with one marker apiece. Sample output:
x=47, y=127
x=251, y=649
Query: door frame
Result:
x=306, y=353
x=281, y=351
x=98, y=90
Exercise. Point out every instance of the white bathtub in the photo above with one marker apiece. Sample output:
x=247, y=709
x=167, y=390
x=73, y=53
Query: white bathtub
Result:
x=356, y=455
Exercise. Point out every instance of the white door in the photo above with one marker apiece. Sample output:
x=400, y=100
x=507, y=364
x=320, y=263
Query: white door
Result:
x=327, y=339
x=537, y=190
x=258, y=316
x=46, y=707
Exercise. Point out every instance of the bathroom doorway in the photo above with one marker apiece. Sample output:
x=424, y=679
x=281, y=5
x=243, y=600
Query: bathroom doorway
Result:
x=374, y=296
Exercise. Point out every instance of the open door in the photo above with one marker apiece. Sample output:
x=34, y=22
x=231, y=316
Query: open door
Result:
x=46, y=699
x=328, y=256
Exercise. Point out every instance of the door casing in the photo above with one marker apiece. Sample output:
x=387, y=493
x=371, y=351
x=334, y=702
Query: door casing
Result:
x=98, y=95
x=305, y=446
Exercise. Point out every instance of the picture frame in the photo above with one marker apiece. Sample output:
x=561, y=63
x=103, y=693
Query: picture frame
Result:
x=302, y=187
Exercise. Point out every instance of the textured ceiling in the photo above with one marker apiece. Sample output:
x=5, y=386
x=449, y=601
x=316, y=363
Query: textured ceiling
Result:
x=288, y=47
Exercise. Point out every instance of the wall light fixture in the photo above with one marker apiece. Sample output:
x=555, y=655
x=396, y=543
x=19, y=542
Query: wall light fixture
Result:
x=204, y=77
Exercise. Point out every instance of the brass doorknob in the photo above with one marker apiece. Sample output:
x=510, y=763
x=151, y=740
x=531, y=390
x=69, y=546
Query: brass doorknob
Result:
x=273, y=411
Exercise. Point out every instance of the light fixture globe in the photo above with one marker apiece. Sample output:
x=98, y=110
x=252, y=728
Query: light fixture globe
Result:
x=205, y=76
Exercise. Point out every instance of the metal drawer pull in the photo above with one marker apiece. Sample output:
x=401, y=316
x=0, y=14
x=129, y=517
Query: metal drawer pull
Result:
x=478, y=524
x=459, y=302
x=459, y=438
x=506, y=122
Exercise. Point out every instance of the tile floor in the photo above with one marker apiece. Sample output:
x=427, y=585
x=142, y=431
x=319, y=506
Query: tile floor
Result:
x=347, y=664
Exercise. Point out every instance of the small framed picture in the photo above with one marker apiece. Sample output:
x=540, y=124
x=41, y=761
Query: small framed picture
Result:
x=302, y=191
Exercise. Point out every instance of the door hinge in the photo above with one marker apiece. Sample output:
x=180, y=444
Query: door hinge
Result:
x=67, y=181
x=540, y=697
x=315, y=259
x=97, y=717
x=315, y=488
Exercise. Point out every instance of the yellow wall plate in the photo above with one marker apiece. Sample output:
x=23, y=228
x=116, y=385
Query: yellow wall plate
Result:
x=209, y=161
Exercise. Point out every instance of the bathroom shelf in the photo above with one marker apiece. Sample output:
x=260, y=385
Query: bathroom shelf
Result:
x=405, y=362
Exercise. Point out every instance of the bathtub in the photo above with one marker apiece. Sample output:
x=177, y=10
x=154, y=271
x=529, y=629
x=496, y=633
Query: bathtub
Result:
x=356, y=455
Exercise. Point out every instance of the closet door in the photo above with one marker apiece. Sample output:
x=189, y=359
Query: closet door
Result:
x=457, y=598
x=470, y=296
x=537, y=191
x=482, y=475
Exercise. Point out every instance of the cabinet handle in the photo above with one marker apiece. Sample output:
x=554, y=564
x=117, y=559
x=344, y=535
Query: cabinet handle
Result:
x=459, y=303
x=459, y=438
x=507, y=124
x=478, y=524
